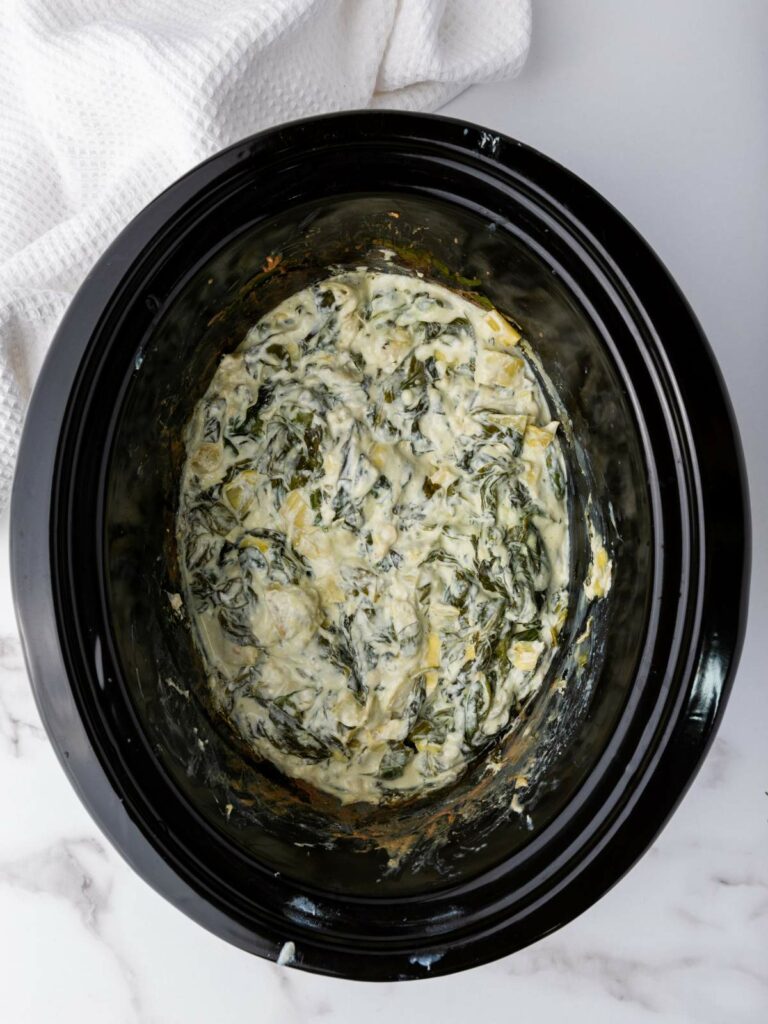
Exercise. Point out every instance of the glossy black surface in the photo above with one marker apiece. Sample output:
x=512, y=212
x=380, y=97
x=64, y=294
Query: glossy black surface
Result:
x=346, y=852
x=95, y=495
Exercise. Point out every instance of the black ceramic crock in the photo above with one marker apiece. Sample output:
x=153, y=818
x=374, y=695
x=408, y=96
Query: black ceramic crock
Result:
x=116, y=679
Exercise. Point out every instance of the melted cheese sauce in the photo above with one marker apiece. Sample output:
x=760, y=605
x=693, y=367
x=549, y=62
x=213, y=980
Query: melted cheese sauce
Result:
x=373, y=534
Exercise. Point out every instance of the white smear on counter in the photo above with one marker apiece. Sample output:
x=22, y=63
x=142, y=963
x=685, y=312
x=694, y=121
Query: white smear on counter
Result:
x=287, y=954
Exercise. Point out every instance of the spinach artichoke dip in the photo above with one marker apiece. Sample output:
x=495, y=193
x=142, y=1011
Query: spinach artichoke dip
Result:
x=373, y=534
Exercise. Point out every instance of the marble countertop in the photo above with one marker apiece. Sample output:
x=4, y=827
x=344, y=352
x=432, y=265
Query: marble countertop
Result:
x=663, y=107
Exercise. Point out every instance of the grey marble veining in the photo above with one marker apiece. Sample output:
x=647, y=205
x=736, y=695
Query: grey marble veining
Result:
x=658, y=105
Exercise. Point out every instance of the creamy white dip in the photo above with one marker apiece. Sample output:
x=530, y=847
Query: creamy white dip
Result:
x=373, y=534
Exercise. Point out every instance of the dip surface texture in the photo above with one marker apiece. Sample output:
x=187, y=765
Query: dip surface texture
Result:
x=373, y=534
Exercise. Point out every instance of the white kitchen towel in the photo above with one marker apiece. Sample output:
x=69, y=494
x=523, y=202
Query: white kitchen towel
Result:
x=103, y=103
